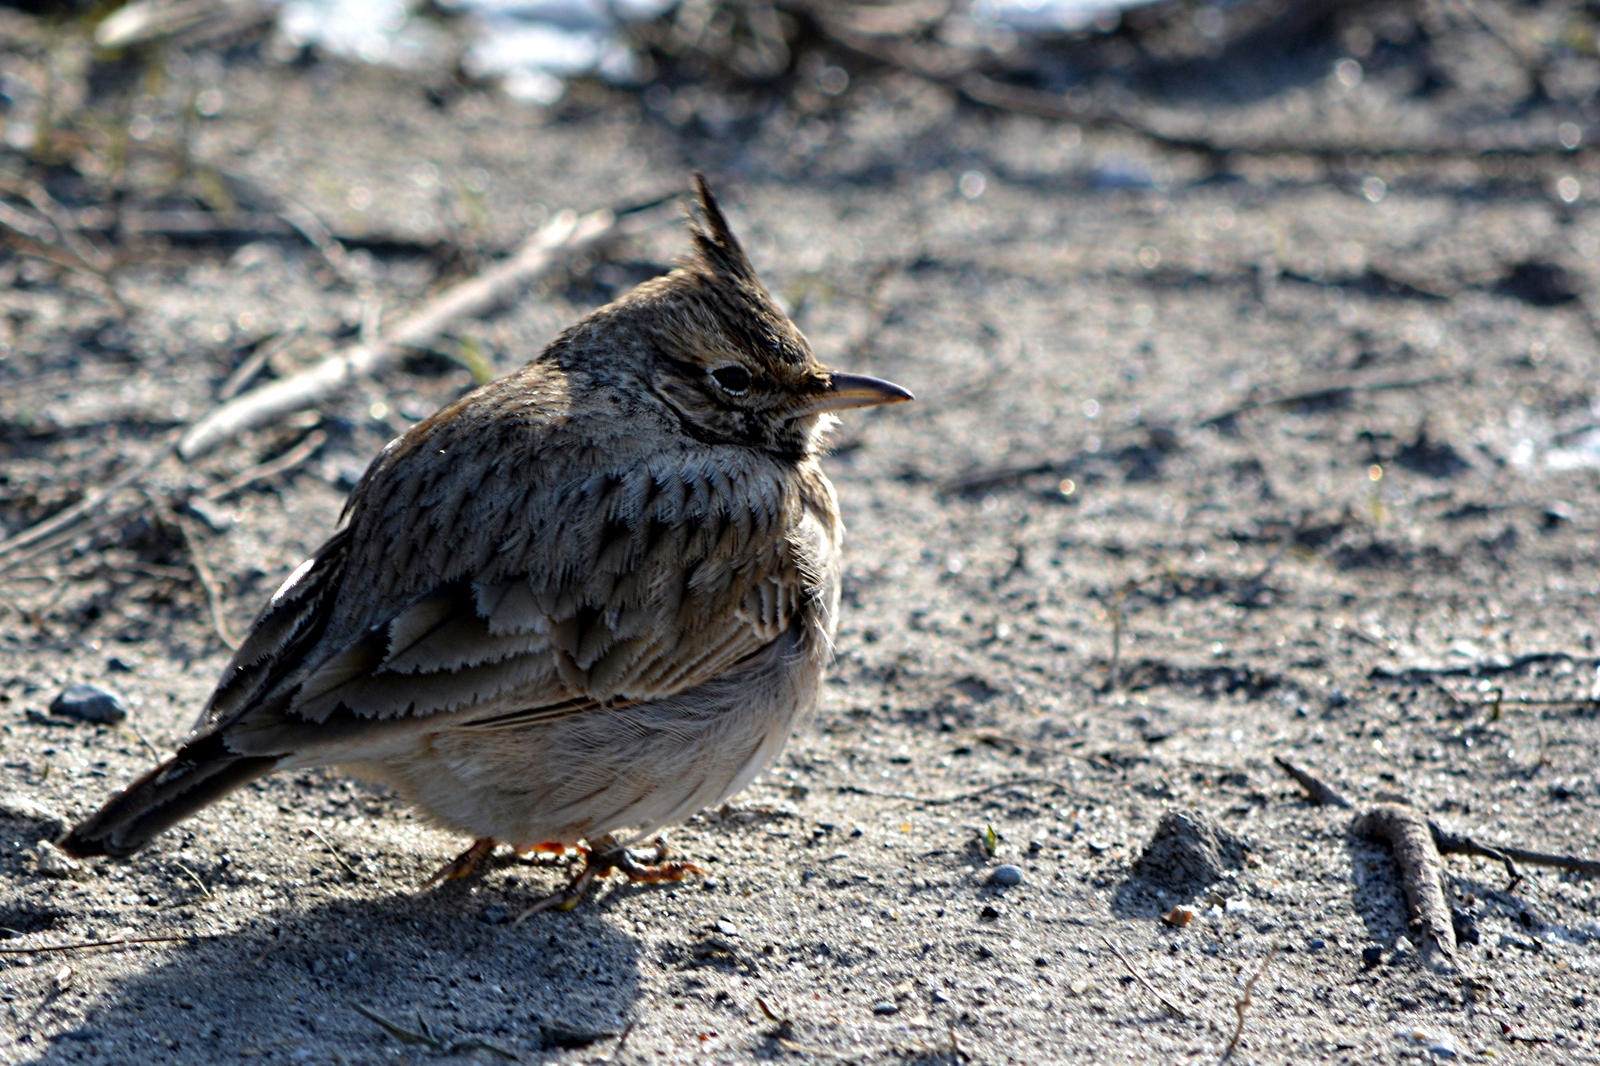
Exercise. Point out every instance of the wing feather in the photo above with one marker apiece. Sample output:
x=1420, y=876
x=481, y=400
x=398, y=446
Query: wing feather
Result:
x=486, y=567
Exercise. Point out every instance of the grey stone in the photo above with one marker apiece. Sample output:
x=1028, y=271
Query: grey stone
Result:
x=1007, y=876
x=89, y=703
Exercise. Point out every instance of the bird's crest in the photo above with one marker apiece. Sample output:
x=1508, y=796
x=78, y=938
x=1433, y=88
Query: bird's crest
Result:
x=718, y=248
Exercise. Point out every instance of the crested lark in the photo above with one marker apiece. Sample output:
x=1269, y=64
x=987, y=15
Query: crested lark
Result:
x=593, y=596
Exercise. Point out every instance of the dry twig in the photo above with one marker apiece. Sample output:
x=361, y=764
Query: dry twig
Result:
x=563, y=236
x=1242, y=1004
x=1508, y=856
x=1406, y=832
x=1320, y=793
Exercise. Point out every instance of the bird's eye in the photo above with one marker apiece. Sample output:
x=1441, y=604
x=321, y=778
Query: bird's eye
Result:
x=733, y=379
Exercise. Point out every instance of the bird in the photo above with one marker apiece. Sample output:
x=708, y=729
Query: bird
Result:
x=577, y=605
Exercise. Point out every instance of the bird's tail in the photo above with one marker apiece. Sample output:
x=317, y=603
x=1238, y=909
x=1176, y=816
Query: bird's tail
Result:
x=199, y=774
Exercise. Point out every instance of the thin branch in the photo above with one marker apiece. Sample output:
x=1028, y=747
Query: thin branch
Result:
x=1461, y=844
x=1242, y=1004
x=1176, y=1011
x=558, y=239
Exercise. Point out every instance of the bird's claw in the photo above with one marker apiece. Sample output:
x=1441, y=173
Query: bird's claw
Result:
x=600, y=862
x=464, y=864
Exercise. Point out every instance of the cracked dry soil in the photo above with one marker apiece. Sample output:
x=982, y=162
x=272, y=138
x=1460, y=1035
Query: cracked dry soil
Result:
x=1356, y=581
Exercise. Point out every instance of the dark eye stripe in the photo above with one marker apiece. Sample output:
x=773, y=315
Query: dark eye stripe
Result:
x=732, y=378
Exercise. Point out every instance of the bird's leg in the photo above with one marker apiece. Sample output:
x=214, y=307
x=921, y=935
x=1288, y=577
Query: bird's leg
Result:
x=607, y=855
x=463, y=865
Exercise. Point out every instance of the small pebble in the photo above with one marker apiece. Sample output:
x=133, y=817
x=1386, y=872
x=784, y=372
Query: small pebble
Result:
x=726, y=927
x=1316, y=943
x=51, y=861
x=89, y=703
x=1371, y=955
x=989, y=913
x=495, y=914
x=1041, y=961
x=886, y=1009
x=940, y=997
x=1007, y=876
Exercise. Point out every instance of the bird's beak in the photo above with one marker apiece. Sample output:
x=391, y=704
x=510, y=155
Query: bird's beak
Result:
x=856, y=390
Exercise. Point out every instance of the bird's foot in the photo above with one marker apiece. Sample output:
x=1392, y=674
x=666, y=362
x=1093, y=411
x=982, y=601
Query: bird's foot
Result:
x=605, y=856
x=464, y=864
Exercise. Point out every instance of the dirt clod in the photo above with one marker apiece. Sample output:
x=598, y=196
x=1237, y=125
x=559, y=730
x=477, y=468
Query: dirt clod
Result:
x=1187, y=853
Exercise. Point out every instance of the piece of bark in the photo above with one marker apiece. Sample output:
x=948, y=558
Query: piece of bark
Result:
x=1405, y=830
x=1317, y=791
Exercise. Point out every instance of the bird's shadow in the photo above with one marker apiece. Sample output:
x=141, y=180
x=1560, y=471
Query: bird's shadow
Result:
x=318, y=984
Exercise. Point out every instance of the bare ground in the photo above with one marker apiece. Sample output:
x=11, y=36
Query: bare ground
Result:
x=1349, y=580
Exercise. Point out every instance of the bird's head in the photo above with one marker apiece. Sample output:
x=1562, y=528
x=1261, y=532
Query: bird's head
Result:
x=712, y=344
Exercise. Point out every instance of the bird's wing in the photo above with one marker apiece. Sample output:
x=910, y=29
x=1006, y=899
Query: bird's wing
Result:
x=552, y=593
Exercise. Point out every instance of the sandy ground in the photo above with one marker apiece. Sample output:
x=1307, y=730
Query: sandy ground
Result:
x=1346, y=581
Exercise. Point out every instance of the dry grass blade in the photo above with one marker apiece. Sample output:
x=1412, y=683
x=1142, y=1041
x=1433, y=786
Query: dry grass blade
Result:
x=423, y=1035
x=208, y=580
x=247, y=370
x=351, y=870
x=122, y=942
x=1173, y=1008
x=945, y=801
x=273, y=467
x=321, y=238
x=1324, y=394
x=204, y=891
x=560, y=237
x=67, y=536
x=88, y=504
x=1242, y=1004
x=395, y=1029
